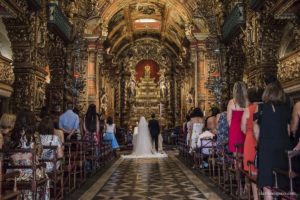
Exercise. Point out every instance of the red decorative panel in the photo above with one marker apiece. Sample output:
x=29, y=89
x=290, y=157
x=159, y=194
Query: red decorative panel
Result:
x=140, y=69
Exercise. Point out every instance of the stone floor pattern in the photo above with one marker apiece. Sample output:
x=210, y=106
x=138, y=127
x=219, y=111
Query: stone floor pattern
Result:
x=153, y=179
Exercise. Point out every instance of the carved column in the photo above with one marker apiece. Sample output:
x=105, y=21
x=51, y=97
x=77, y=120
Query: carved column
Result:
x=196, y=71
x=29, y=85
x=59, y=91
x=92, y=73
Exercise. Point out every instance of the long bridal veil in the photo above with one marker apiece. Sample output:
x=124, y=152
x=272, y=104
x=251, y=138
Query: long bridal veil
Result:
x=143, y=144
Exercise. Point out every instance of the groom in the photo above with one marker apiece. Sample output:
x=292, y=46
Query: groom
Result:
x=154, y=130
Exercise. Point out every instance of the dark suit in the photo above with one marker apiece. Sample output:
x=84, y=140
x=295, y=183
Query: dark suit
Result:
x=154, y=131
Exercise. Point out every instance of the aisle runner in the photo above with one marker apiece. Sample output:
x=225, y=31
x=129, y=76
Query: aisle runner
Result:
x=155, y=155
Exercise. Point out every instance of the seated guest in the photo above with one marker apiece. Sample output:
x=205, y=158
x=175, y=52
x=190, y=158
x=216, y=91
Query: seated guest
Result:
x=213, y=119
x=205, y=138
x=69, y=123
x=271, y=131
x=7, y=123
x=195, y=128
x=185, y=126
x=24, y=136
x=48, y=138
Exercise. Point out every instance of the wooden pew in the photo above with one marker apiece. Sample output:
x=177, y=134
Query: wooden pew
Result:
x=11, y=193
x=69, y=167
x=56, y=176
x=33, y=184
x=291, y=175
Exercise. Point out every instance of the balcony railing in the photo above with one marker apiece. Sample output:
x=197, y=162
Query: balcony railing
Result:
x=256, y=4
x=59, y=22
x=35, y=4
x=234, y=20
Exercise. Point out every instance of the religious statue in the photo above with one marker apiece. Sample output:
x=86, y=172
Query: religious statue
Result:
x=131, y=86
x=163, y=86
x=103, y=102
x=190, y=99
x=40, y=96
x=147, y=71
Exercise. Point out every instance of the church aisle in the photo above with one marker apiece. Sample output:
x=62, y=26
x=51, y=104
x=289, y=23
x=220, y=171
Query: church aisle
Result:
x=155, y=179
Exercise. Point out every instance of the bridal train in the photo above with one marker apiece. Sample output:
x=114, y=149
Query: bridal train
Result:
x=142, y=143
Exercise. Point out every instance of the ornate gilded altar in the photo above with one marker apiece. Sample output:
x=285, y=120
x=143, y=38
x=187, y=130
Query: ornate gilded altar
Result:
x=147, y=98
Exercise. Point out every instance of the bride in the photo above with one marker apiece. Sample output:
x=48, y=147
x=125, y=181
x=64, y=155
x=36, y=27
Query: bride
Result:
x=143, y=142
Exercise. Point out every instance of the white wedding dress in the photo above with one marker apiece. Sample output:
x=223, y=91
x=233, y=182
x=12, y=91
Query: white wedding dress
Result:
x=142, y=143
x=143, y=146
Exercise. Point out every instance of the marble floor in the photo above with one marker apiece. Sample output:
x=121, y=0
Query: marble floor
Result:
x=149, y=179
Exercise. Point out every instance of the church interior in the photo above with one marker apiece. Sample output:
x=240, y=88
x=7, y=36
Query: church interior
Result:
x=170, y=60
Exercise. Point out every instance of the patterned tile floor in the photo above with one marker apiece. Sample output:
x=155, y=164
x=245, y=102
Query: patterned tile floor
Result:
x=151, y=179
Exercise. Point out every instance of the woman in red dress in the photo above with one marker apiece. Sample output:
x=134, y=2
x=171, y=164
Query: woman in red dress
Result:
x=235, y=110
x=254, y=95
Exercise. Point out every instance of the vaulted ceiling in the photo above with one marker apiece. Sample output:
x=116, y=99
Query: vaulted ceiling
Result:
x=170, y=22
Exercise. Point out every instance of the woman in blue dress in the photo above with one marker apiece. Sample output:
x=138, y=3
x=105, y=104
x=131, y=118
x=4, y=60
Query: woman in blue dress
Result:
x=110, y=131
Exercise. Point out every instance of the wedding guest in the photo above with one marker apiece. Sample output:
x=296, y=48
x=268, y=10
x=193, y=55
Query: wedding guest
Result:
x=69, y=123
x=91, y=125
x=295, y=129
x=235, y=110
x=222, y=130
x=110, y=131
x=213, y=119
x=7, y=123
x=185, y=126
x=25, y=136
x=195, y=127
x=295, y=125
x=254, y=95
x=48, y=138
x=205, y=141
x=271, y=130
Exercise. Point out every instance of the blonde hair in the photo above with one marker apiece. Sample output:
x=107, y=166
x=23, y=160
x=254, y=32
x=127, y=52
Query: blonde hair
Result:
x=7, y=121
x=240, y=94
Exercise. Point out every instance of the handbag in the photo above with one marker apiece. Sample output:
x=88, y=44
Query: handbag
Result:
x=256, y=163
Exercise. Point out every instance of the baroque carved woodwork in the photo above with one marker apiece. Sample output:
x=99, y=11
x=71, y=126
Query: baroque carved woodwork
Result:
x=289, y=67
x=6, y=71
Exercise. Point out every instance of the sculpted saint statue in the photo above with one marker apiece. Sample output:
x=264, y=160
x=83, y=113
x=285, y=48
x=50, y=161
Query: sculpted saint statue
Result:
x=190, y=99
x=103, y=101
x=132, y=86
x=40, y=96
x=163, y=86
x=147, y=71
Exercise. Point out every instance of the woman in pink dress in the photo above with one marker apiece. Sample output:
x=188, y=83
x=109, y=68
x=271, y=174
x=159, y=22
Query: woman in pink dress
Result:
x=235, y=110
